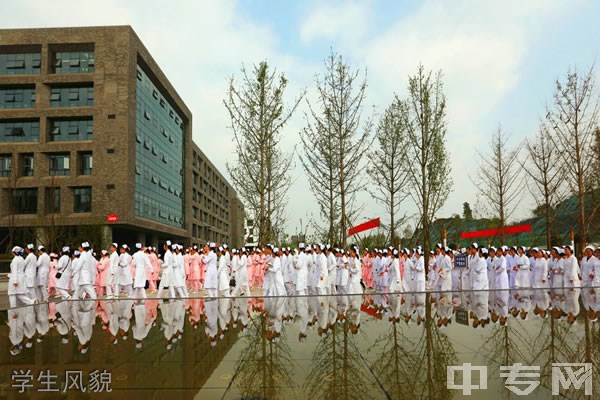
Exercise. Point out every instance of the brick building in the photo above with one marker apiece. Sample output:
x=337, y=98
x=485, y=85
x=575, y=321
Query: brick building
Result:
x=95, y=141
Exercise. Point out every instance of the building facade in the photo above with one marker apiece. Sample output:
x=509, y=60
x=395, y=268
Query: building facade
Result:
x=95, y=142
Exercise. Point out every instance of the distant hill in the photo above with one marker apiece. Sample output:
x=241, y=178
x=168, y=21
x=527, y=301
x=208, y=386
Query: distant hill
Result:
x=565, y=219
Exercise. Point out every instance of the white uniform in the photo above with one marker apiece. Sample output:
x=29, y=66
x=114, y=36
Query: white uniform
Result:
x=65, y=269
x=241, y=276
x=301, y=273
x=167, y=275
x=523, y=277
x=395, y=281
x=142, y=266
x=540, y=273
x=323, y=271
x=30, y=273
x=558, y=273
x=273, y=272
x=43, y=275
x=589, y=268
x=571, y=278
x=500, y=273
x=354, y=286
x=445, y=273
x=479, y=277
x=223, y=276
x=211, y=282
x=418, y=275
x=179, y=274
x=113, y=268
x=17, y=289
x=124, y=279
x=86, y=276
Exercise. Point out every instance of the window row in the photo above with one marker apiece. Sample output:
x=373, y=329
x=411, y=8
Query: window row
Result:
x=59, y=164
x=17, y=97
x=25, y=201
x=79, y=96
x=71, y=61
x=59, y=130
x=20, y=63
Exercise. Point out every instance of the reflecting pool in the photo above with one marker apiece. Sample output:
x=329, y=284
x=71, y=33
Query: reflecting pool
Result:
x=321, y=347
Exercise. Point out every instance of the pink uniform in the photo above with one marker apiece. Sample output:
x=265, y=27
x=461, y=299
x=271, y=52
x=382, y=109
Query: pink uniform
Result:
x=187, y=263
x=367, y=274
x=155, y=262
x=103, y=267
x=52, y=276
x=194, y=276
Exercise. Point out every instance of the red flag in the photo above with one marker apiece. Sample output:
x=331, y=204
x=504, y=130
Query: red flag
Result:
x=371, y=311
x=509, y=230
x=365, y=226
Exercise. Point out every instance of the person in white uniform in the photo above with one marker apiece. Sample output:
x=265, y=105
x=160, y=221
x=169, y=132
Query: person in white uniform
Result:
x=479, y=279
x=571, y=267
x=418, y=272
x=124, y=279
x=499, y=271
x=113, y=268
x=142, y=267
x=30, y=270
x=43, y=275
x=209, y=259
x=167, y=271
x=589, y=266
x=523, y=276
x=301, y=271
x=540, y=269
x=17, y=288
x=355, y=272
x=222, y=273
x=87, y=273
x=241, y=275
x=64, y=272
x=179, y=271
x=444, y=270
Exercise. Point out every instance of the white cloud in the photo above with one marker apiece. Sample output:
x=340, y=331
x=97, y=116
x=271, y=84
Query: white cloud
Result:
x=342, y=21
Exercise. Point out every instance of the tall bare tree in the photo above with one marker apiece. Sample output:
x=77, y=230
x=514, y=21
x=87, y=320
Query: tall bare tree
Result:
x=387, y=168
x=498, y=178
x=544, y=170
x=335, y=140
x=261, y=173
x=427, y=159
x=573, y=118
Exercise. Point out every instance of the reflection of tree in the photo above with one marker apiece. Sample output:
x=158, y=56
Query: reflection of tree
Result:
x=410, y=368
x=336, y=367
x=264, y=366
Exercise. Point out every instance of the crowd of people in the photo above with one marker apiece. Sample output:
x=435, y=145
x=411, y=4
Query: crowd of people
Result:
x=318, y=269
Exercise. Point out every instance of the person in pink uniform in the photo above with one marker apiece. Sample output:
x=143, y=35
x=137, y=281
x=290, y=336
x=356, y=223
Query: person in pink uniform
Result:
x=155, y=262
x=194, y=277
x=260, y=271
x=102, y=267
x=52, y=275
x=367, y=274
x=201, y=270
x=251, y=266
x=187, y=263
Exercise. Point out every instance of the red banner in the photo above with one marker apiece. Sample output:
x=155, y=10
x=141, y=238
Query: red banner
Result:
x=112, y=218
x=365, y=226
x=371, y=311
x=508, y=230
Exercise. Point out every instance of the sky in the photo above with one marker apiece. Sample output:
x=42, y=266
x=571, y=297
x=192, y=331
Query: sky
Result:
x=499, y=61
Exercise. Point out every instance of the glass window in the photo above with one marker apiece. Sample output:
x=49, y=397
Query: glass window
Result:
x=73, y=62
x=5, y=165
x=27, y=163
x=59, y=164
x=17, y=97
x=25, y=201
x=82, y=199
x=53, y=200
x=85, y=163
x=80, y=96
x=19, y=130
x=71, y=129
x=20, y=63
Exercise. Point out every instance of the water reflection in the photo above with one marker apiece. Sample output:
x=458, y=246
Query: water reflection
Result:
x=336, y=347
